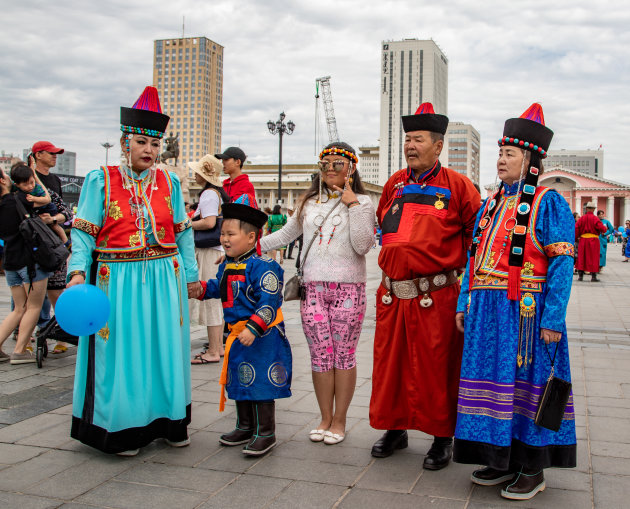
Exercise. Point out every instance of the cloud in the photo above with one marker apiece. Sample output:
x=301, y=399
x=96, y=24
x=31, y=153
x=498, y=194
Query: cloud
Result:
x=67, y=70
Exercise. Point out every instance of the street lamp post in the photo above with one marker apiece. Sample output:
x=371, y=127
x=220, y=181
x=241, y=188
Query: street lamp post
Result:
x=107, y=146
x=280, y=128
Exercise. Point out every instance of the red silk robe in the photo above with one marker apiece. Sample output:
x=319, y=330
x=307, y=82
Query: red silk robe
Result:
x=587, y=230
x=417, y=351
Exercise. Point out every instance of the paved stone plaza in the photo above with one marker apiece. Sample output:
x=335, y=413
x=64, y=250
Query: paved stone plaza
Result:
x=41, y=467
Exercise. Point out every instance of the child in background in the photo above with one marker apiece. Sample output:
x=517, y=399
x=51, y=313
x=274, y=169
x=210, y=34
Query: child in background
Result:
x=25, y=179
x=257, y=363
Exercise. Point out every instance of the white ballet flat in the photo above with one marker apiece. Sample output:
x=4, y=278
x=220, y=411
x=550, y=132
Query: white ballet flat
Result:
x=129, y=453
x=331, y=438
x=317, y=435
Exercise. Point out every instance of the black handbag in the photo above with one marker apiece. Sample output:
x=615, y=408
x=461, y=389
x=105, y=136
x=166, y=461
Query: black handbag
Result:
x=293, y=288
x=554, y=399
x=211, y=237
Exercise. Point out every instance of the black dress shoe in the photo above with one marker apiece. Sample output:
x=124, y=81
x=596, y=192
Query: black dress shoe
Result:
x=491, y=476
x=525, y=486
x=389, y=442
x=440, y=454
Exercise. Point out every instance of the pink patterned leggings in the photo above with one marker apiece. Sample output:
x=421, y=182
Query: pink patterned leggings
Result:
x=332, y=316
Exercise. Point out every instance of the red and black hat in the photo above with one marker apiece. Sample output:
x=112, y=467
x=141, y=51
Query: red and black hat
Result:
x=425, y=119
x=528, y=131
x=145, y=116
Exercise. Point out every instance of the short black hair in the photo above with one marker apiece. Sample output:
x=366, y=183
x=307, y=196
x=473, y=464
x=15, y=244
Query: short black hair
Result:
x=21, y=173
x=245, y=226
x=249, y=228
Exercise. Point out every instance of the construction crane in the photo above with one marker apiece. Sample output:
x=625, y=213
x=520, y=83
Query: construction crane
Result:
x=331, y=122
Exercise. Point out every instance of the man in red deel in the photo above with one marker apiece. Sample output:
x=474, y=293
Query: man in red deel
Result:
x=587, y=230
x=427, y=213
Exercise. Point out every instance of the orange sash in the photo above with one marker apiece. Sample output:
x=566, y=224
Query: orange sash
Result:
x=235, y=330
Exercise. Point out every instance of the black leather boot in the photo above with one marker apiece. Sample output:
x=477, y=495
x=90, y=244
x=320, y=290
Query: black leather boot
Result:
x=244, y=425
x=594, y=277
x=440, y=453
x=580, y=275
x=390, y=441
x=525, y=486
x=264, y=437
x=489, y=476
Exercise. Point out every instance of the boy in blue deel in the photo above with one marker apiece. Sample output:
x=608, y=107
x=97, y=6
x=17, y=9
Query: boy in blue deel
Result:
x=257, y=363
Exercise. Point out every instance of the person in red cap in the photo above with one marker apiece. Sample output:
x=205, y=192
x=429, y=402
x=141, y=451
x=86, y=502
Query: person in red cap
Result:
x=587, y=229
x=512, y=309
x=426, y=213
x=133, y=239
x=237, y=183
x=42, y=158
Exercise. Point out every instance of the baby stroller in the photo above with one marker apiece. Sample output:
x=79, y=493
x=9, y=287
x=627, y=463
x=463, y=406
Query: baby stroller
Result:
x=51, y=330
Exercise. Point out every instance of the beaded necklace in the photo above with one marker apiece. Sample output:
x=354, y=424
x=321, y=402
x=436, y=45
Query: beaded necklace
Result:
x=509, y=226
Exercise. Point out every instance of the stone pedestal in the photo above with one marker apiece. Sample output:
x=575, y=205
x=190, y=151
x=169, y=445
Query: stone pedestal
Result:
x=182, y=173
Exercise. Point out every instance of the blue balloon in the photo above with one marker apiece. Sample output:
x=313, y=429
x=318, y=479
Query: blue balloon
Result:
x=82, y=310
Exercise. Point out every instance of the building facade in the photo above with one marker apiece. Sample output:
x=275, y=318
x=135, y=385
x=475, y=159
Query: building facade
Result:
x=461, y=150
x=188, y=74
x=6, y=161
x=412, y=72
x=369, y=164
x=296, y=179
x=66, y=162
x=587, y=162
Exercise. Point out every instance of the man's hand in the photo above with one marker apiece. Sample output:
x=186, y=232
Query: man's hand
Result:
x=220, y=260
x=246, y=337
x=550, y=336
x=194, y=289
x=459, y=321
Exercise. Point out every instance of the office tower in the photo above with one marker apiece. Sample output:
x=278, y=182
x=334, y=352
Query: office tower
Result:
x=412, y=72
x=369, y=164
x=461, y=150
x=188, y=74
x=589, y=162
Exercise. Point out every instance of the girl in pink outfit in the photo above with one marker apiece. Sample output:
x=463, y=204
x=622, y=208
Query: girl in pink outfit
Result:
x=337, y=213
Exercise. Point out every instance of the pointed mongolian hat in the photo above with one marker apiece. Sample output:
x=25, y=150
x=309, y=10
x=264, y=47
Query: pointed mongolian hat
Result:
x=145, y=116
x=425, y=119
x=528, y=131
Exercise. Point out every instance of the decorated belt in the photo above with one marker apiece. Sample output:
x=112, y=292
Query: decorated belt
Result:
x=142, y=254
x=589, y=236
x=412, y=288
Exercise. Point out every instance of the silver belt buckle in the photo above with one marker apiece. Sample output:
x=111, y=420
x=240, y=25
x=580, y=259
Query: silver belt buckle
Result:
x=404, y=289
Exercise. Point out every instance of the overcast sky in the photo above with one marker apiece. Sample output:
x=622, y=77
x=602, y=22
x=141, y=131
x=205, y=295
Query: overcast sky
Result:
x=68, y=65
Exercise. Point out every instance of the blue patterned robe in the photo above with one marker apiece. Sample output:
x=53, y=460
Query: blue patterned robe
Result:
x=250, y=289
x=497, y=399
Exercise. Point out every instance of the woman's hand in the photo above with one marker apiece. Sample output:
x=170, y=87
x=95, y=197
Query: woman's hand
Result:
x=459, y=321
x=550, y=336
x=77, y=279
x=347, y=194
x=220, y=260
x=194, y=289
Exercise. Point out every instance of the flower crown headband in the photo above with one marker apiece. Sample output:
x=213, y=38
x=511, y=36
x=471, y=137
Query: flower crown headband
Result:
x=342, y=152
